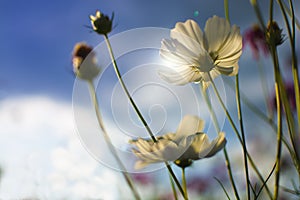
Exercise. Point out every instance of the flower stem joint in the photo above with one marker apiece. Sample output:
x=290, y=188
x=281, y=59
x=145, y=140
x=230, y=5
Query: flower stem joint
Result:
x=183, y=163
x=274, y=34
x=101, y=23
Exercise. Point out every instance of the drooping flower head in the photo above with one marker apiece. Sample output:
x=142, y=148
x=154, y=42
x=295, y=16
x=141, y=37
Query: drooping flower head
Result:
x=188, y=143
x=84, y=62
x=201, y=56
x=256, y=39
x=101, y=23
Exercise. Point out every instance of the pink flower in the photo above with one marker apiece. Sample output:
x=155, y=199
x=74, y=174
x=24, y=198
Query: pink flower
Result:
x=255, y=38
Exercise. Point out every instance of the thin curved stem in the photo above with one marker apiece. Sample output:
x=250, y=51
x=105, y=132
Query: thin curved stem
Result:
x=278, y=90
x=109, y=143
x=237, y=134
x=137, y=110
x=217, y=127
x=240, y=116
x=289, y=116
x=258, y=14
x=260, y=114
x=226, y=9
x=173, y=187
x=184, y=182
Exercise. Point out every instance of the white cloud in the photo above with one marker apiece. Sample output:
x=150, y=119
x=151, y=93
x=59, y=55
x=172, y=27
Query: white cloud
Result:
x=42, y=156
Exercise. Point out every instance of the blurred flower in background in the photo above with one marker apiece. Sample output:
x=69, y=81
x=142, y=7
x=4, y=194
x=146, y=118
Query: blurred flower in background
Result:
x=84, y=62
x=255, y=38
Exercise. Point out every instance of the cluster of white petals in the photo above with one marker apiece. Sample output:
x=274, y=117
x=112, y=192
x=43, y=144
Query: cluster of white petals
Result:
x=201, y=56
x=186, y=144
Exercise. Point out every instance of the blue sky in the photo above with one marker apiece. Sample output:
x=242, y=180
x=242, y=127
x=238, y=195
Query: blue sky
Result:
x=38, y=36
x=38, y=137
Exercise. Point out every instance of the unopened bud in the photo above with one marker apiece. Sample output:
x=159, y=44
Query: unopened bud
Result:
x=84, y=62
x=274, y=34
x=101, y=23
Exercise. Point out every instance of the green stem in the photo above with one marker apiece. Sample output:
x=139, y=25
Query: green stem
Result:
x=108, y=141
x=283, y=94
x=240, y=116
x=260, y=114
x=258, y=14
x=137, y=110
x=297, y=23
x=184, y=182
x=291, y=34
x=237, y=134
x=217, y=127
x=226, y=9
x=126, y=90
x=173, y=187
x=278, y=91
x=279, y=142
x=229, y=170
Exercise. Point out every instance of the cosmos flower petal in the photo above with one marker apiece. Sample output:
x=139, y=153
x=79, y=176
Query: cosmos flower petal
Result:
x=176, y=52
x=180, y=76
x=215, y=33
x=189, y=34
x=189, y=125
x=225, y=70
x=196, y=54
x=187, y=144
x=216, y=145
x=230, y=51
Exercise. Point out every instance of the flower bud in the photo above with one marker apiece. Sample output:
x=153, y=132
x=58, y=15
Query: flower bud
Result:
x=101, y=23
x=84, y=62
x=274, y=34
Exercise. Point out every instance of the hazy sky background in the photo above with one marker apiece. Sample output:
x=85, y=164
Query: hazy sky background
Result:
x=38, y=142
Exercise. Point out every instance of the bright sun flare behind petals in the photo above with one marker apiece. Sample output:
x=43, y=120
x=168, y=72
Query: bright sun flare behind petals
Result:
x=187, y=144
x=196, y=56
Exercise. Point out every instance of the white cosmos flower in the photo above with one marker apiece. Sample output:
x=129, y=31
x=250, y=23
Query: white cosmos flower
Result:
x=188, y=143
x=198, y=55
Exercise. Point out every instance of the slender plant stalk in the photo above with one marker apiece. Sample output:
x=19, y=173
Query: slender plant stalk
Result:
x=260, y=114
x=108, y=141
x=217, y=127
x=226, y=8
x=291, y=34
x=184, y=183
x=258, y=14
x=173, y=187
x=237, y=134
x=279, y=142
x=226, y=193
x=261, y=188
x=137, y=110
x=278, y=91
x=240, y=116
x=297, y=23
x=289, y=115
